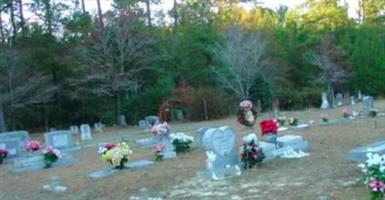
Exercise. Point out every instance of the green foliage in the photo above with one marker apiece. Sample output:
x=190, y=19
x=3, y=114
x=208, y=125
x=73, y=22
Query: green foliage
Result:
x=127, y=66
x=182, y=146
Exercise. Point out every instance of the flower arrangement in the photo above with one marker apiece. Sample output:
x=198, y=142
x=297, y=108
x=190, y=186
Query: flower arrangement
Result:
x=246, y=115
x=32, y=146
x=269, y=126
x=3, y=155
x=251, y=153
x=161, y=128
x=181, y=142
x=116, y=154
x=374, y=175
x=346, y=112
x=324, y=117
x=293, y=121
x=50, y=155
x=281, y=121
x=158, y=152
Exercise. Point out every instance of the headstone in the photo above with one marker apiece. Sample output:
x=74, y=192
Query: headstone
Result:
x=359, y=95
x=152, y=120
x=143, y=124
x=179, y=114
x=359, y=154
x=12, y=145
x=222, y=156
x=139, y=164
x=122, y=120
x=99, y=174
x=275, y=108
x=74, y=130
x=98, y=127
x=147, y=142
x=61, y=140
x=168, y=151
x=85, y=132
x=367, y=105
x=352, y=100
x=259, y=106
x=54, y=185
x=339, y=99
x=325, y=103
x=21, y=136
x=296, y=142
x=268, y=149
x=27, y=164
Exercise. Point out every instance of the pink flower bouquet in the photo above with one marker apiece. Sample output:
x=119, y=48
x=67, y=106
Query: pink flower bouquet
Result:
x=32, y=146
x=51, y=155
x=161, y=128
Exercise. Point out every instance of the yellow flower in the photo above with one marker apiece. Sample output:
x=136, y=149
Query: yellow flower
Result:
x=107, y=156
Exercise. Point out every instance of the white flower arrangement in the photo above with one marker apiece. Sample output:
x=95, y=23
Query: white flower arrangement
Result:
x=181, y=142
x=374, y=174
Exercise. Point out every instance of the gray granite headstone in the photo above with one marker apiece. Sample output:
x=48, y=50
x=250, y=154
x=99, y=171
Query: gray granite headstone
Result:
x=74, y=129
x=339, y=98
x=152, y=120
x=36, y=162
x=99, y=174
x=98, y=127
x=21, y=136
x=359, y=154
x=61, y=140
x=85, y=131
x=325, y=103
x=352, y=100
x=138, y=164
x=367, y=105
x=295, y=142
x=12, y=145
x=143, y=124
x=147, y=142
x=221, y=141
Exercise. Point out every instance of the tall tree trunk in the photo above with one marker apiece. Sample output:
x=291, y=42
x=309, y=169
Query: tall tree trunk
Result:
x=2, y=35
x=83, y=7
x=21, y=12
x=100, y=15
x=175, y=13
x=48, y=16
x=13, y=22
x=3, y=126
x=148, y=7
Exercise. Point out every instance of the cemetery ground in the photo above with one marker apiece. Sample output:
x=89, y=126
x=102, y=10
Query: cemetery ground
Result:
x=325, y=174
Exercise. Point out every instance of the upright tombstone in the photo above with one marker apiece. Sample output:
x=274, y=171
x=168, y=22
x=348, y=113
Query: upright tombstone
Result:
x=259, y=106
x=98, y=127
x=352, y=101
x=85, y=132
x=359, y=95
x=339, y=98
x=168, y=151
x=152, y=120
x=275, y=108
x=122, y=120
x=61, y=140
x=12, y=145
x=220, y=146
x=74, y=129
x=367, y=105
x=143, y=124
x=325, y=103
x=20, y=136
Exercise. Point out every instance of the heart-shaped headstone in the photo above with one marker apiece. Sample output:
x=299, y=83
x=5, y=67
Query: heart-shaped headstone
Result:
x=223, y=141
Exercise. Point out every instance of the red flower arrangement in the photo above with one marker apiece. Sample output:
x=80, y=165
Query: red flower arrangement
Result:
x=269, y=126
x=3, y=154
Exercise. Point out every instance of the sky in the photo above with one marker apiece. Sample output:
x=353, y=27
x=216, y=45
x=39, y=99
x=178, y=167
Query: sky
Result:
x=273, y=4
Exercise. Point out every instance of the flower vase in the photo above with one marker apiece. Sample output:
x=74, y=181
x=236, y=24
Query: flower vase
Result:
x=48, y=165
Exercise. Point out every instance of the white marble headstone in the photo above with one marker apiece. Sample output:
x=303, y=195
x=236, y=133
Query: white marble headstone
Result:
x=325, y=103
x=85, y=132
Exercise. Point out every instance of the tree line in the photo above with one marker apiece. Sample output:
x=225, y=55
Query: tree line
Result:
x=62, y=65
